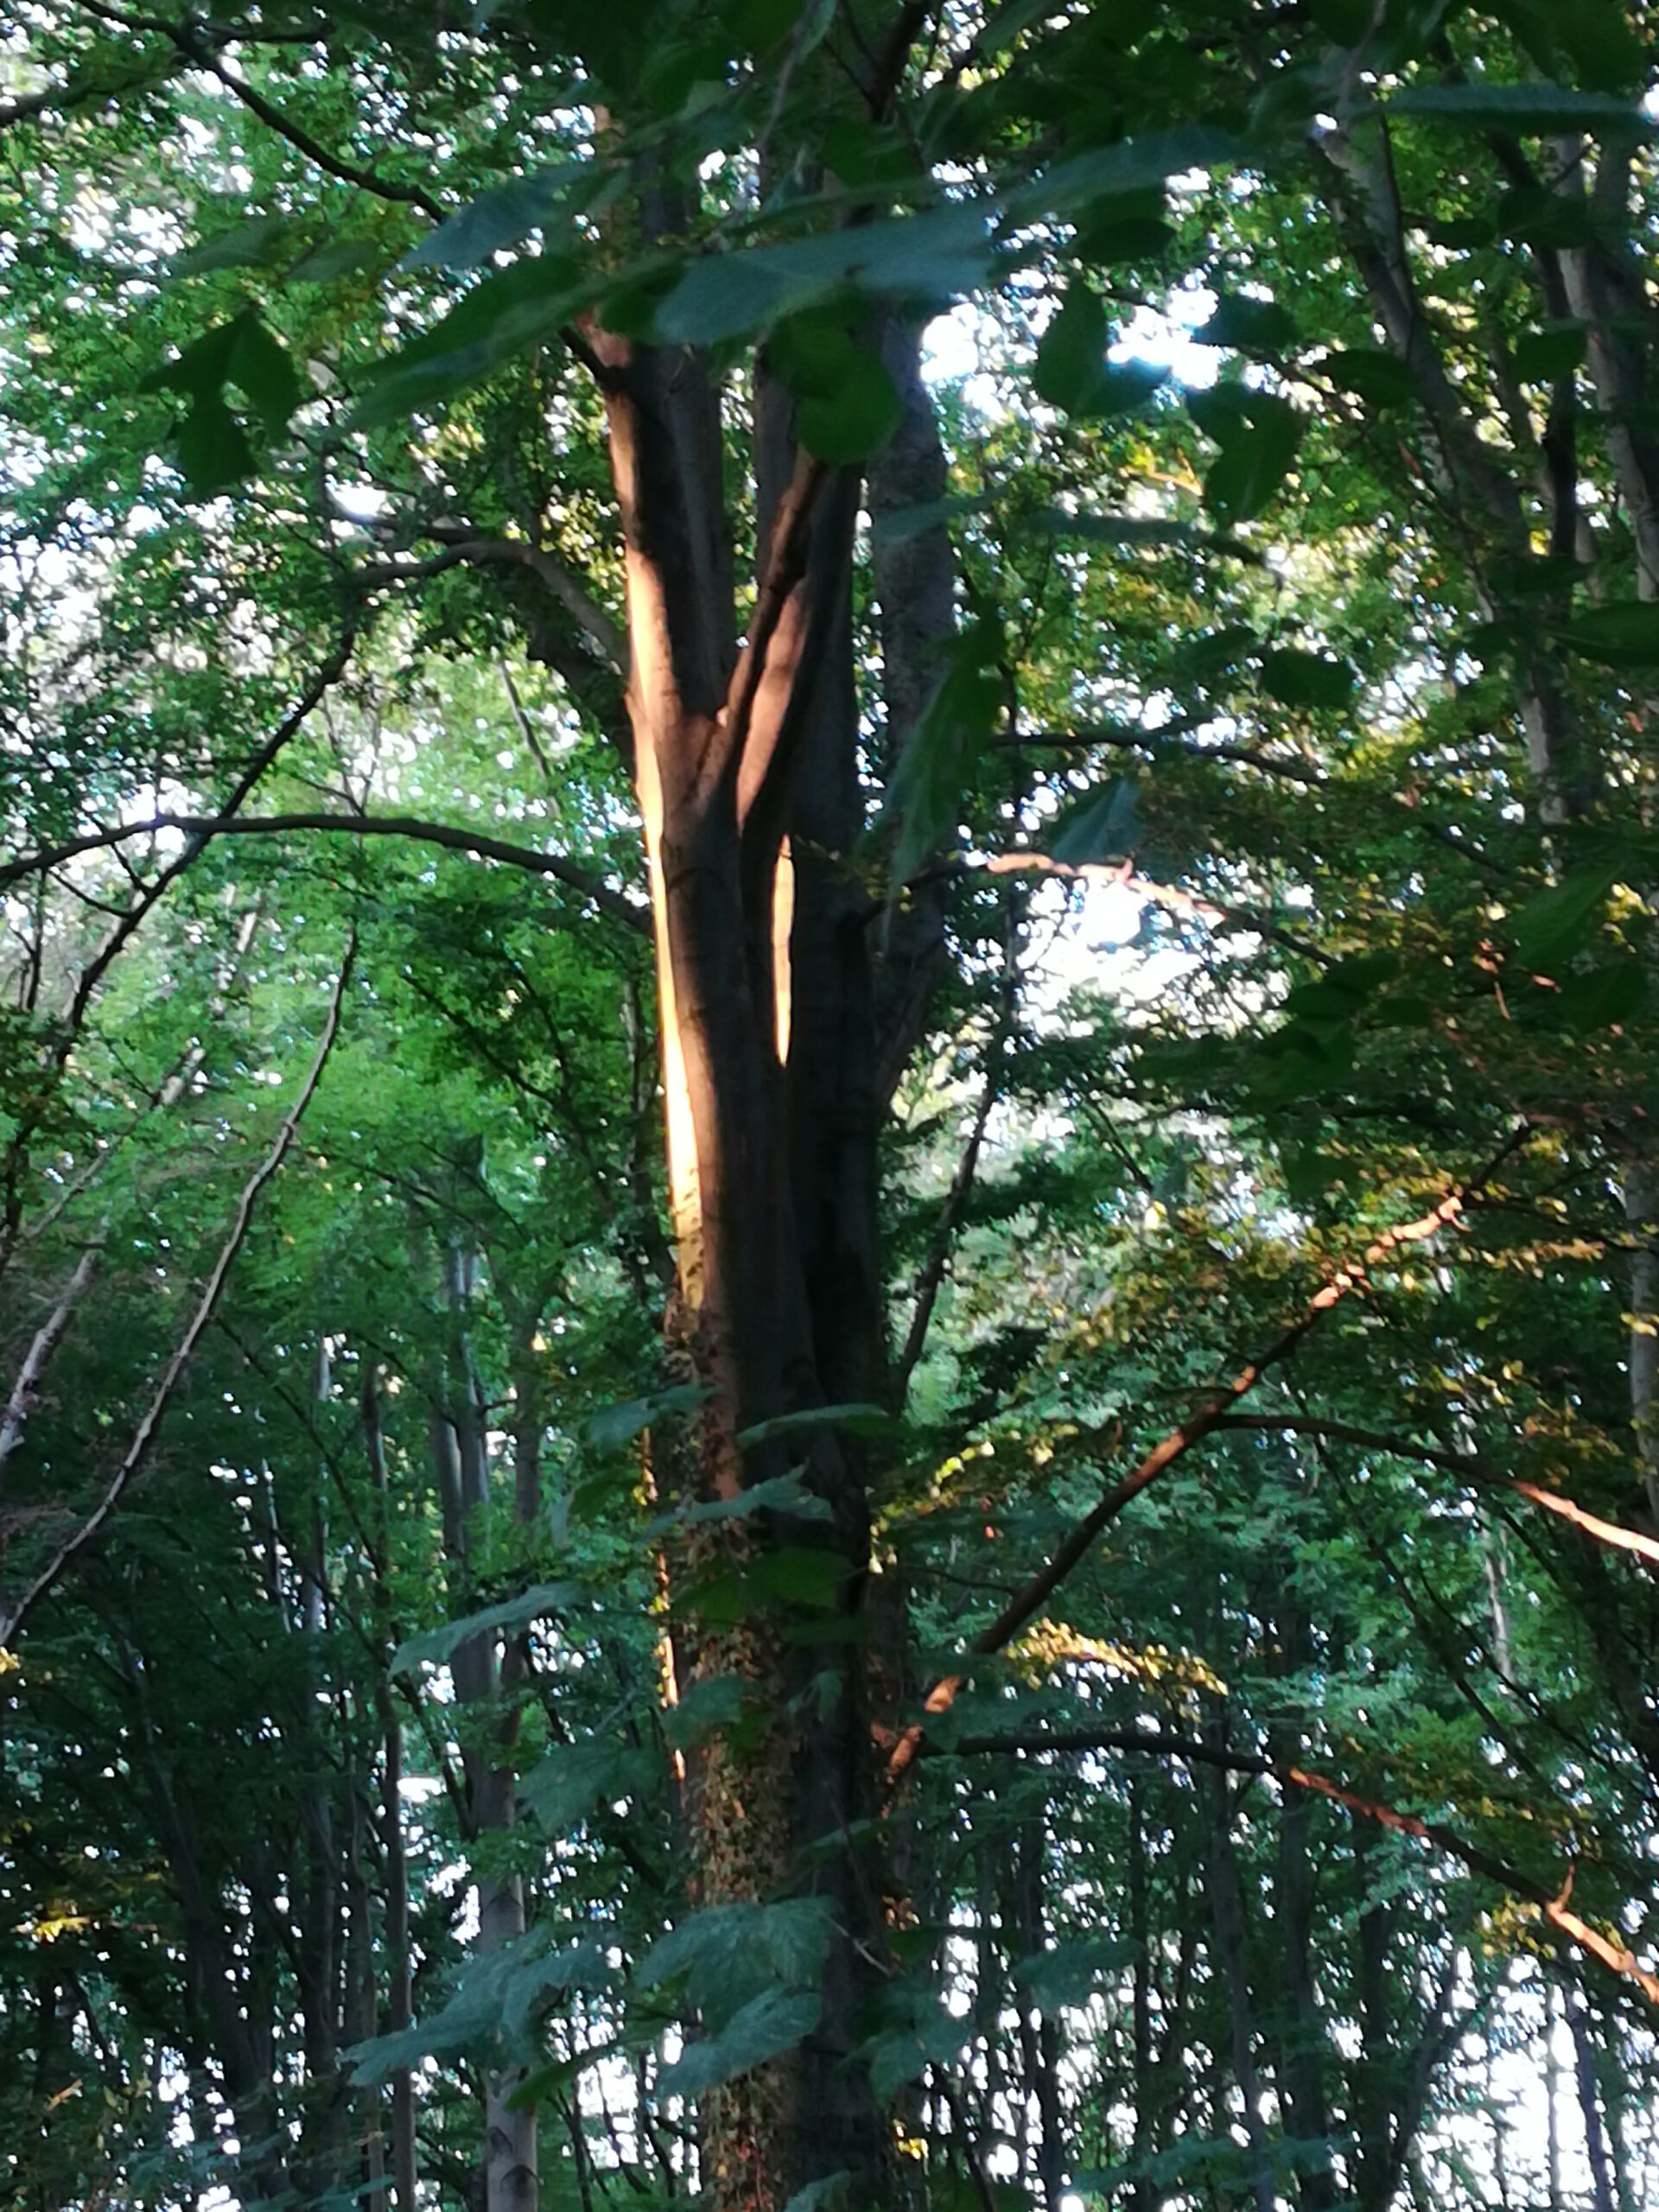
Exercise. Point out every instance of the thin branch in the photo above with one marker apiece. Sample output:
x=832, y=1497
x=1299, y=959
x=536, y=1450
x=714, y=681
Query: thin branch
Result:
x=1617, y=1957
x=144, y=1437
x=1126, y=738
x=201, y=827
x=1354, y=1276
x=572, y=595
x=333, y=165
x=1463, y=1463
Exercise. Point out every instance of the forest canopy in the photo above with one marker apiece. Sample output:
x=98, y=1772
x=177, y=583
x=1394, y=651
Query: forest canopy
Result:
x=828, y=1192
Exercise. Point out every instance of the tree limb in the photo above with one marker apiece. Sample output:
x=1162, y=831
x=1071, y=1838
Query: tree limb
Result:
x=1466, y=1464
x=1617, y=1957
x=1355, y=1275
x=201, y=827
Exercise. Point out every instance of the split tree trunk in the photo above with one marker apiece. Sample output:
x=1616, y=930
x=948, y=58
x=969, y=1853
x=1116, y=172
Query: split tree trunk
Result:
x=746, y=764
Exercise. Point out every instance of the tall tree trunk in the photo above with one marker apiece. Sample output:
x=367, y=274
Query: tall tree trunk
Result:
x=400, y=2001
x=747, y=765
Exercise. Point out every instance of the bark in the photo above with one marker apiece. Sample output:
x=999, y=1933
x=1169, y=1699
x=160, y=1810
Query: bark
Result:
x=746, y=764
x=1301, y=2035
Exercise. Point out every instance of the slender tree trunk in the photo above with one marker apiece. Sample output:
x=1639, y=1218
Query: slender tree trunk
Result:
x=1227, y=1921
x=400, y=2005
x=1595, y=2135
x=460, y=1443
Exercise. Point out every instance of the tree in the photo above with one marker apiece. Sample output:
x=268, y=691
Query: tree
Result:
x=588, y=362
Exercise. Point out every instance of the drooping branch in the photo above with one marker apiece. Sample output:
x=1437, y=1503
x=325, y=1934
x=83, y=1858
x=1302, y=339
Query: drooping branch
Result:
x=450, y=835
x=1026, y=1605
x=13, y=1615
x=1618, y=1958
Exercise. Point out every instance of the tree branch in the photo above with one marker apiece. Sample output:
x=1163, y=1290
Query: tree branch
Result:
x=345, y=172
x=1028, y=1602
x=40, y=1355
x=1617, y=1957
x=1466, y=1464
x=201, y=826
x=578, y=603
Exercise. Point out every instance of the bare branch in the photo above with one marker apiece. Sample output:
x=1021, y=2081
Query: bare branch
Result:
x=548, y=570
x=40, y=1355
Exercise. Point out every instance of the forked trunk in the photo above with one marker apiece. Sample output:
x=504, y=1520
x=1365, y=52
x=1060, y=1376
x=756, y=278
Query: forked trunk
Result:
x=768, y=1060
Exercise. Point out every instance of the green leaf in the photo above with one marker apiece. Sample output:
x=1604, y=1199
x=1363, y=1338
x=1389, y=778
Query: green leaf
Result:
x=1622, y=633
x=1071, y=370
x=250, y=245
x=504, y=216
x=727, y=1955
x=336, y=257
x=1602, y=997
x=264, y=371
x=897, y=526
x=619, y=1424
x=1129, y=166
x=799, y=1574
x=1100, y=826
x=936, y=766
x=763, y=2029
x=1558, y=921
x=436, y=1646
x=1250, y=326
x=1380, y=379
x=916, y=2030
x=934, y=256
x=1539, y=109
x=213, y=451
x=1069, y=1974
x=830, y=2193
x=714, y=1704
x=863, y=1421
x=503, y=315
x=781, y=1494
x=1303, y=679
x=1258, y=433
x=857, y=417
x=565, y=1789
